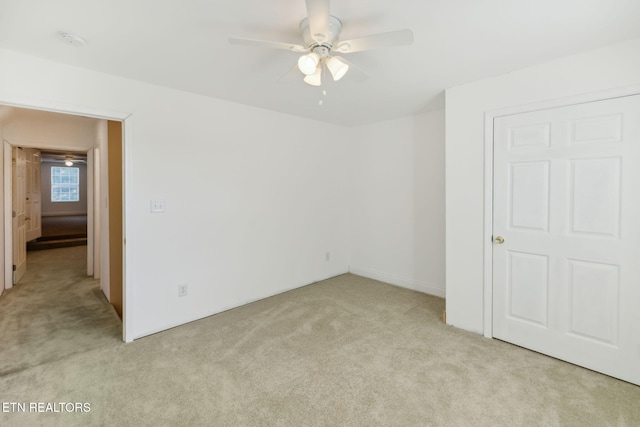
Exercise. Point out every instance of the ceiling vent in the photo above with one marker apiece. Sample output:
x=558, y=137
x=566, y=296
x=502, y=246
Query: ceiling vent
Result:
x=72, y=39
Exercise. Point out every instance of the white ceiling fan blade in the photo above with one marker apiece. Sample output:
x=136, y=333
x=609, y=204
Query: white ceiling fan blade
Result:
x=355, y=73
x=318, y=13
x=293, y=75
x=269, y=44
x=375, y=41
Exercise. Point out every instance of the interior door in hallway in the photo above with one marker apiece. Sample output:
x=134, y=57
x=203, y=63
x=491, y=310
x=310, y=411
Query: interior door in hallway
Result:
x=33, y=207
x=566, y=258
x=19, y=191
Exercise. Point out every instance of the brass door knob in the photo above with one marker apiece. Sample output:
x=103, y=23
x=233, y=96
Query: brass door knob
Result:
x=499, y=240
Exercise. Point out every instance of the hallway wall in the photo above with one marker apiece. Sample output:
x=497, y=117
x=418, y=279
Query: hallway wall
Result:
x=36, y=129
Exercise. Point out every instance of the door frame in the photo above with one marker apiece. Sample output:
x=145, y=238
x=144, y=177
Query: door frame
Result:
x=90, y=212
x=127, y=120
x=489, y=117
x=7, y=191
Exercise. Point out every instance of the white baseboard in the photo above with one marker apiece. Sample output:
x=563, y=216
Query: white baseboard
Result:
x=174, y=324
x=403, y=282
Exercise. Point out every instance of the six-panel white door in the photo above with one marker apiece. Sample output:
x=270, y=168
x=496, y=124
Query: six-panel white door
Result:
x=566, y=280
x=33, y=220
x=19, y=196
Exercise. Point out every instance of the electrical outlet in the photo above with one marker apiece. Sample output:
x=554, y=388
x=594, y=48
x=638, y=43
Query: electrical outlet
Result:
x=182, y=290
x=158, y=206
x=327, y=256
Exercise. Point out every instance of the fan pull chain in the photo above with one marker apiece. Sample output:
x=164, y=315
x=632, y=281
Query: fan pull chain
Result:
x=324, y=93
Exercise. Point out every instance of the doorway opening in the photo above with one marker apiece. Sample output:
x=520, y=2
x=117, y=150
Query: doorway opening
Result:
x=83, y=140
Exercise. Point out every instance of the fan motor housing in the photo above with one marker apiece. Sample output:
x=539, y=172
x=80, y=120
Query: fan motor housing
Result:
x=335, y=26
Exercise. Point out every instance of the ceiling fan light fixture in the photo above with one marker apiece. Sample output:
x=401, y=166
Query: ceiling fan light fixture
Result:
x=337, y=67
x=314, y=79
x=308, y=63
x=321, y=33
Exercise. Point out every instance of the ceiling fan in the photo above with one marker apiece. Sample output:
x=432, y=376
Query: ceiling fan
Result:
x=321, y=37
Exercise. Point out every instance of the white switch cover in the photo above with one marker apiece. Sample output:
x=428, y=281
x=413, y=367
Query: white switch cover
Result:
x=158, y=206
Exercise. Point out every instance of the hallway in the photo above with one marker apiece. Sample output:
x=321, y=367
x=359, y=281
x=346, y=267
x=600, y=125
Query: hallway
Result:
x=55, y=311
x=60, y=231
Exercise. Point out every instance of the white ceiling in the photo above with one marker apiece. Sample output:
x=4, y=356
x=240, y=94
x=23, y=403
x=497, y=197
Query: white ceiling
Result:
x=184, y=44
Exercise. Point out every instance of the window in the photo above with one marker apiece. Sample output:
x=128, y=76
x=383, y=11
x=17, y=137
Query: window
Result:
x=65, y=184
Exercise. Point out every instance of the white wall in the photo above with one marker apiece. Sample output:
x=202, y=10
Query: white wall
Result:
x=52, y=134
x=599, y=70
x=252, y=207
x=397, y=202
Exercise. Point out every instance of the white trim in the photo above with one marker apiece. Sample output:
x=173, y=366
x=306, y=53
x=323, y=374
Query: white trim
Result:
x=173, y=324
x=127, y=200
x=41, y=145
x=488, y=175
x=90, y=213
x=487, y=253
x=399, y=281
x=64, y=108
x=98, y=113
x=8, y=220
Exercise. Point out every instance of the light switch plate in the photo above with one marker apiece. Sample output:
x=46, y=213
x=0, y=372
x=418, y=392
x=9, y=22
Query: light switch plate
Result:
x=158, y=206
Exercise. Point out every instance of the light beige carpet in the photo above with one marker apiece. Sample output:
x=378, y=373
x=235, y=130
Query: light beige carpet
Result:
x=56, y=310
x=348, y=351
